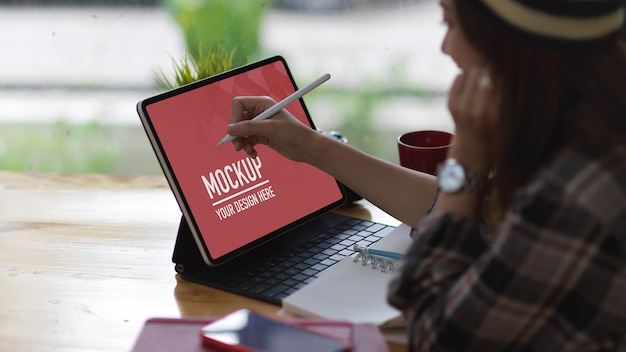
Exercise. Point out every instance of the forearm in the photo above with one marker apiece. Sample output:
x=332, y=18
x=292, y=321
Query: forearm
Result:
x=403, y=193
x=465, y=205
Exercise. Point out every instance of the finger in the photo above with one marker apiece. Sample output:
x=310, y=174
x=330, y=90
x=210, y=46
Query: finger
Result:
x=250, y=151
x=470, y=95
x=455, y=97
x=466, y=98
x=238, y=144
x=483, y=97
x=476, y=93
x=251, y=128
x=245, y=108
x=484, y=80
x=240, y=109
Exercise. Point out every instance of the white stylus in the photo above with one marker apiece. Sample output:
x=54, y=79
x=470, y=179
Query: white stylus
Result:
x=283, y=103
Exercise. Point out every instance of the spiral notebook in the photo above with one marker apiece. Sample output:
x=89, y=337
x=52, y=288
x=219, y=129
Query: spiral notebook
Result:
x=355, y=289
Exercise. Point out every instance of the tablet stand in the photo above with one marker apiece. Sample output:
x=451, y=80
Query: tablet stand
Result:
x=186, y=254
x=190, y=265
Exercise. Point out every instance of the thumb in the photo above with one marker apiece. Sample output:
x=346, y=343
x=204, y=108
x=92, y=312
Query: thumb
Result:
x=245, y=128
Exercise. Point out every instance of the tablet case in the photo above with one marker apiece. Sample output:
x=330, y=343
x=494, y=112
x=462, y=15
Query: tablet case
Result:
x=183, y=335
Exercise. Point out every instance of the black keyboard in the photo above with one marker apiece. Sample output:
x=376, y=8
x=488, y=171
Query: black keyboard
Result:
x=277, y=277
x=283, y=266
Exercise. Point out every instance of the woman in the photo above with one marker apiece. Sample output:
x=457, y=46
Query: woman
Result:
x=540, y=116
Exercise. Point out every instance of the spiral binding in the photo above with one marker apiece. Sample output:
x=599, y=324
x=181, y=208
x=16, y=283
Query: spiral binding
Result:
x=374, y=261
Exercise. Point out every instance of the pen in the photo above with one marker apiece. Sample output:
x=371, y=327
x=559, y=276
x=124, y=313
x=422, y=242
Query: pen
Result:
x=378, y=252
x=283, y=103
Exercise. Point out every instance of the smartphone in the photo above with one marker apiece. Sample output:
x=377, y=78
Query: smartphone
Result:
x=248, y=331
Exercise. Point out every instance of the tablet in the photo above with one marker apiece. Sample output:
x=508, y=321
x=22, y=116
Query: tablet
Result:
x=233, y=203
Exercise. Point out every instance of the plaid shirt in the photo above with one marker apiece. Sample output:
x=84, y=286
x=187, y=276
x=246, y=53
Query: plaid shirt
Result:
x=554, y=278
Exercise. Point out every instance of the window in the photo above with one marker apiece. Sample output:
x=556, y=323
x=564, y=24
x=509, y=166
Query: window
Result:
x=72, y=71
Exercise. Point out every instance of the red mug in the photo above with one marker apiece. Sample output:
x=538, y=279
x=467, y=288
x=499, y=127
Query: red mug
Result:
x=424, y=150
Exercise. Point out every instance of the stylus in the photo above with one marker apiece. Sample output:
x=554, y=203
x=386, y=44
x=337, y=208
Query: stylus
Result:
x=283, y=103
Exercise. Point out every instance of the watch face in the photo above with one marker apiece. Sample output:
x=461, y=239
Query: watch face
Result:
x=452, y=177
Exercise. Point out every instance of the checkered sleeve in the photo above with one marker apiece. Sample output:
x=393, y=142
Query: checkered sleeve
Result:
x=554, y=279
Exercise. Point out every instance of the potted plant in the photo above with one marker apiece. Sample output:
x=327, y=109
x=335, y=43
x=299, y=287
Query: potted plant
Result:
x=191, y=68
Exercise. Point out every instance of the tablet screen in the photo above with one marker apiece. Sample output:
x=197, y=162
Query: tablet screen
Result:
x=232, y=202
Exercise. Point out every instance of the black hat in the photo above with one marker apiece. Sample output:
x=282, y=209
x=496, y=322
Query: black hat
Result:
x=566, y=21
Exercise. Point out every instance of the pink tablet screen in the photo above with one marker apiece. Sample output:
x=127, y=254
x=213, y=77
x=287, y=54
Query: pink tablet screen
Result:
x=233, y=199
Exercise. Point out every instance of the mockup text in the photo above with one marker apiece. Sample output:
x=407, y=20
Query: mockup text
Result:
x=245, y=202
x=232, y=177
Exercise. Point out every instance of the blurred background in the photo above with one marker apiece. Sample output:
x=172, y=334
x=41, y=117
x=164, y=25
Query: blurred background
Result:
x=71, y=72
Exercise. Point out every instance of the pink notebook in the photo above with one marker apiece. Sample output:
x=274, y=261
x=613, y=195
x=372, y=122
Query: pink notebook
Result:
x=183, y=335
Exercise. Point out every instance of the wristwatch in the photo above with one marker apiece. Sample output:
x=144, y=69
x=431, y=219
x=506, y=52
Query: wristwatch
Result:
x=453, y=177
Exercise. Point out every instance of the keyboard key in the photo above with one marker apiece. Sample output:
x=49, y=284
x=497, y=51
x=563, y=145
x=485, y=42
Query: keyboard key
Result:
x=275, y=290
x=246, y=286
x=259, y=288
x=319, y=267
x=273, y=282
x=293, y=260
x=292, y=271
x=310, y=272
x=359, y=227
x=328, y=262
x=332, y=231
x=364, y=243
x=299, y=286
x=329, y=242
x=282, y=277
x=291, y=290
x=354, y=221
x=339, y=247
x=321, y=256
x=267, y=274
x=337, y=257
x=301, y=266
x=349, y=243
x=290, y=282
x=347, y=233
x=286, y=265
x=376, y=227
x=277, y=269
x=258, y=279
x=358, y=237
x=311, y=261
x=329, y=252
x=346, y=252
x=300, y=277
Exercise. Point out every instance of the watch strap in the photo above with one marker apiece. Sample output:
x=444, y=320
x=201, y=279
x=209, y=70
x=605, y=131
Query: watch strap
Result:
x=473, y=182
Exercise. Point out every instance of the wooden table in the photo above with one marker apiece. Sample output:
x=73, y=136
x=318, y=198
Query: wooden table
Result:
x=86, y=259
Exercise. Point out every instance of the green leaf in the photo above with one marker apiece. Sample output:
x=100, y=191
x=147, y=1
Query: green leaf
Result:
x=188, y=69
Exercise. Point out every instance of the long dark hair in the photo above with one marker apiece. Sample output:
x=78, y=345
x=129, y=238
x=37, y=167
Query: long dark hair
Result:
x=553, y=96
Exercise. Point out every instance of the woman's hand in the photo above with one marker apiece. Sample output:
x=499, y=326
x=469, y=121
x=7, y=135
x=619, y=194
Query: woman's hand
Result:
x=474, y=104
x=282, y=132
